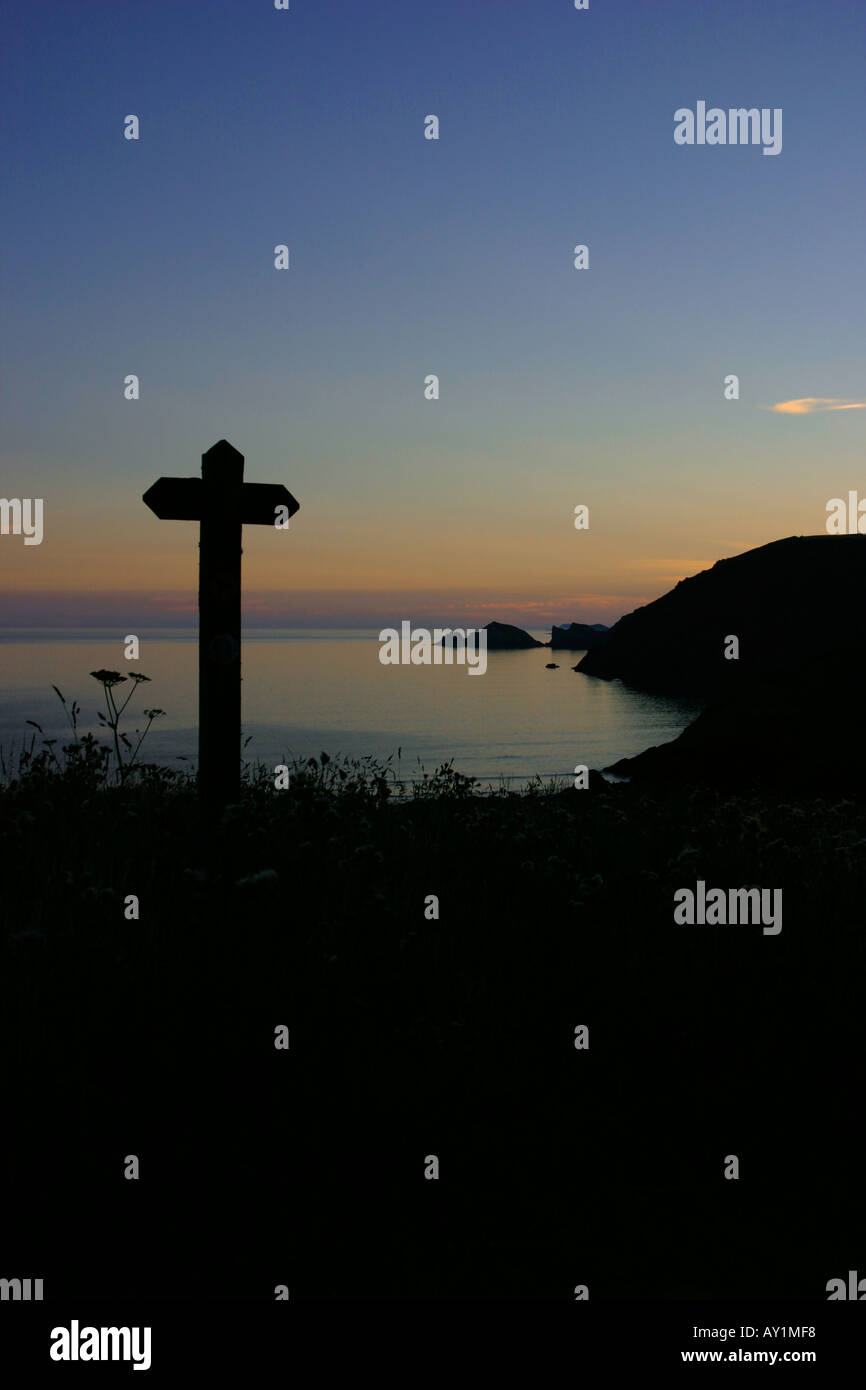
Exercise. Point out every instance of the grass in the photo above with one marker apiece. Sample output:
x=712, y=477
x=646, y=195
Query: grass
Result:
x=410, y=1036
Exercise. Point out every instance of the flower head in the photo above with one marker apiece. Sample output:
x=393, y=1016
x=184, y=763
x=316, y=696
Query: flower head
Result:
x=108, y=678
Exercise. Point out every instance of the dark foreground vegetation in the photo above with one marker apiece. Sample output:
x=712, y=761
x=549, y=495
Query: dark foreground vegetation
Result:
x=411, y=1037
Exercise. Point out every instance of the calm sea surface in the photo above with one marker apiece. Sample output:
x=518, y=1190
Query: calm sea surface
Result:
x=305, y=691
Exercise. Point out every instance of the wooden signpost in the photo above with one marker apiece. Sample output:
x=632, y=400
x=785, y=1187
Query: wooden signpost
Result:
x=222, y=503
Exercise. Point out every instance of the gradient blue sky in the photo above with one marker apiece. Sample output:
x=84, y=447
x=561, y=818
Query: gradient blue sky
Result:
x=410, y=257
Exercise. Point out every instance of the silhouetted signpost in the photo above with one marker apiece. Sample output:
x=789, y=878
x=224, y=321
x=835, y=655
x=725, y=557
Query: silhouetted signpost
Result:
x=222, y=502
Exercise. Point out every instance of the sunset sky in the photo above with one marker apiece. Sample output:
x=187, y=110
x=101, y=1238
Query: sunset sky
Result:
x=410, y=257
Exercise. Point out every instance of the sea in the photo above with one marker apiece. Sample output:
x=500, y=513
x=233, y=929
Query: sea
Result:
x=308, y=691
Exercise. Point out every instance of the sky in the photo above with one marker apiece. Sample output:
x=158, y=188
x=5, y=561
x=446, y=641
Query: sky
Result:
x=409, y=257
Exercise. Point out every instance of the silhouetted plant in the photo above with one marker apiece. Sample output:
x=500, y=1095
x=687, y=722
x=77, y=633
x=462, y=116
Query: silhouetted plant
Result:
x=86, y=757
x=109, y=680
x=446, y=781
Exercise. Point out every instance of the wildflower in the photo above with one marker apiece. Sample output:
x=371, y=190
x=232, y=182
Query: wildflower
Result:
x=108, y=678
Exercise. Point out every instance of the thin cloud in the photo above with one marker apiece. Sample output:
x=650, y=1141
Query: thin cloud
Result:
x=809, y=405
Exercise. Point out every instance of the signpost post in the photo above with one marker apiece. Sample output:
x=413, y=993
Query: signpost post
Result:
x=222, y=503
